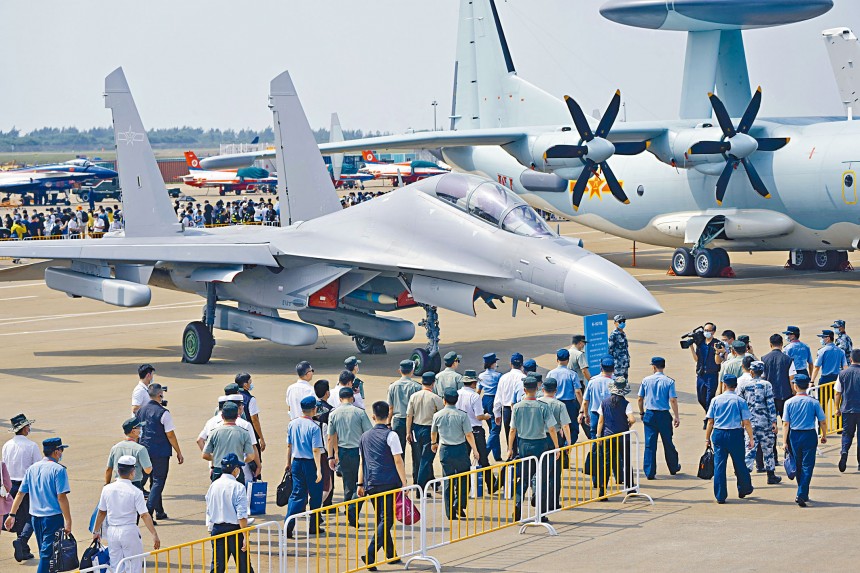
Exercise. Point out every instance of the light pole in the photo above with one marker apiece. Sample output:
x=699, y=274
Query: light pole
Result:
x=435, y=104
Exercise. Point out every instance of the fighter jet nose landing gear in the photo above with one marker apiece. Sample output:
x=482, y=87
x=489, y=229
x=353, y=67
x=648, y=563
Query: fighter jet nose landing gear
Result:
x=428, y=359
x=197, y=339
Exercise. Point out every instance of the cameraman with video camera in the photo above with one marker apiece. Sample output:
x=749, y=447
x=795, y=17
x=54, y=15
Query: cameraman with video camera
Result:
x=705, y=352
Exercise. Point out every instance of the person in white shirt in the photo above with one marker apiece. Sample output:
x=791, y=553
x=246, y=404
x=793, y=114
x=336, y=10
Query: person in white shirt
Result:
x=509, y=383
x=346, y=380
x=217, y=420
x=20, y=453
x=140, y=394
x=120, y=504
x=469, y=401
x=226, y=511
x=300, y=389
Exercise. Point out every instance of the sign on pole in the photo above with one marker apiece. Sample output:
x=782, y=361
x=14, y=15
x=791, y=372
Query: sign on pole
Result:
x=597, y=334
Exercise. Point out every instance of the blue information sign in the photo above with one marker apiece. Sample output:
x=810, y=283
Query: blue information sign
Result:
x=597, y=335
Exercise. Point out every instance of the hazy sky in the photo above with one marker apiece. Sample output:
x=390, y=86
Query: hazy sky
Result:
x=379, y=63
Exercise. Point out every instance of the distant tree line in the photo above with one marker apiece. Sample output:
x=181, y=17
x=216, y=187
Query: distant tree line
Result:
x=72, y=138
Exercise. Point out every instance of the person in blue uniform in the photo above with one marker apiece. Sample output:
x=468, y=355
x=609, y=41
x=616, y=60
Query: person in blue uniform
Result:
x=569, y=389
x=656, y=395
x=798, y=351
x=799, y=420
x=830, y=359
x=728, y=418
x=488, y=381
x=304, y=446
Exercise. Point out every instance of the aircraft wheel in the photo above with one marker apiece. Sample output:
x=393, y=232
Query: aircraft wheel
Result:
x=67, y=203
x=197, y=343
x=682, y=263
x=804, y=260
x=362, y=187
x=436, y=362
x=85, y=196
x=824, y=261
x=368, y=345
x=706, y=263
x=723, y=259
x=238, y=192
x=422, y=361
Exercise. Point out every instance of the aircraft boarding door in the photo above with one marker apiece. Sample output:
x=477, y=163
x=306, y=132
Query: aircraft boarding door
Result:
x=849, y=187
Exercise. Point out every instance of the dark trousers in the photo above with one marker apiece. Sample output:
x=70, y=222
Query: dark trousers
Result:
x=804, y=444
x=825, y=378
x=613, y=458
x=455, y=460
x=850, y=425
x=22, y=526
x=506, y=421
x=573, y=412
x=160, y=467
x=730, y=443
x=398, y=426
x=45, y=528
x=479, y=436
x=494, y=445
x=348, y=465
x=552, y=470
x=384, y=506
x=327, y=482
x=215, y=473
x=706, y=388
x=227, y=547
x=526, y=470
x=422, y=455
x=658, y=423
x=305, y=485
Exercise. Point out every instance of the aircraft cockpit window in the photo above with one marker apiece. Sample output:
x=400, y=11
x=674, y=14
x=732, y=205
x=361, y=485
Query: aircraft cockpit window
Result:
x=523, y=220
x=489, y=201
x=453, y=188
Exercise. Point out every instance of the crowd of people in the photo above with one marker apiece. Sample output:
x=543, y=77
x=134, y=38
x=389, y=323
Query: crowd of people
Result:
x=463, y=417
x=239, y=212
x=63, y=222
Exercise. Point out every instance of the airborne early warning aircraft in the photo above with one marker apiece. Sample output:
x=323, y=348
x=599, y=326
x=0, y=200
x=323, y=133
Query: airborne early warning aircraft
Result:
x=443, y=242
x=708, y=186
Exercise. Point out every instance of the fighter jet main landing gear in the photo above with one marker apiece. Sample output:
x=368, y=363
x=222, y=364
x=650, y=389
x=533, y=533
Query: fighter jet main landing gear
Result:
x=198, y=339
x=368, y=345
x=428, y=359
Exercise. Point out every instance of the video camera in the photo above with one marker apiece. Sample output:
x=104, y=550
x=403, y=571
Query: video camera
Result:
x=695, y=336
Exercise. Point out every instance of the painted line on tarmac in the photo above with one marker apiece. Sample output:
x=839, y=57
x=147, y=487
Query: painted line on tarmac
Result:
x=18, y=297
x=24, y=285
x=729, y=282
x=100, y=327
x=170, y=306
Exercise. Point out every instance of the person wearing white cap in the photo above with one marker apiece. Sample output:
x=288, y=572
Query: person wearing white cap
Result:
x=120, y=504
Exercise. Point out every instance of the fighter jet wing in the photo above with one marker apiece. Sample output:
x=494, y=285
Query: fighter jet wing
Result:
x=430, y=140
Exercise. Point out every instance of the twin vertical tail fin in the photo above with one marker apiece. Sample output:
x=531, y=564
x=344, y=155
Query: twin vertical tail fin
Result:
x=305, y=189
x=336, y=135
x=145, y=204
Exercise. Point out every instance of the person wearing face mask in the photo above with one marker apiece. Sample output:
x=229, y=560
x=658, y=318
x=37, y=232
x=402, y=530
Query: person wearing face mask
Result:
x=47, y=484
x=618, y=348
x=707, y=357
x=798, y=351
x=140, y=395
x=830, y=360
x=251, y=410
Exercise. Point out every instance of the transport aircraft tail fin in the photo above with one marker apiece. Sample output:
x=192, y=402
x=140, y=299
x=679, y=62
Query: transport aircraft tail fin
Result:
x=305, y=188
x=487, y=90
x=844, y=51
x=145, y=204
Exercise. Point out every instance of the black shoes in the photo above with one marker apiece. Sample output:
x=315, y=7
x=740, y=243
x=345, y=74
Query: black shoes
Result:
x=161, y=515
x=649, y=478
x=518, y=512
x=746, y=493
x=800, y=502
x=843, y=462
x=676, y=470
x=773, y=479
x=372, y=567
x=20, y=550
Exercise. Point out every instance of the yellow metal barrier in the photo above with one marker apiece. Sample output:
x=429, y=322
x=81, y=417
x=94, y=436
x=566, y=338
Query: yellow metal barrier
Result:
x=826, y=394
x=358, y=534
x=221, y=553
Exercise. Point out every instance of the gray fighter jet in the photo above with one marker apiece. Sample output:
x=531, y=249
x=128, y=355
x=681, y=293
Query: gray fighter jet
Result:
x=443, y=242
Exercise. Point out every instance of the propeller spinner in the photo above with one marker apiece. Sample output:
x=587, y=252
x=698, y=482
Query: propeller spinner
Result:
x=594, y=149
x=736, y=145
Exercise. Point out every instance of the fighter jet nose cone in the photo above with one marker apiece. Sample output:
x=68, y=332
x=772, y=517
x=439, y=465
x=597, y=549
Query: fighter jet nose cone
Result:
x=595, y=285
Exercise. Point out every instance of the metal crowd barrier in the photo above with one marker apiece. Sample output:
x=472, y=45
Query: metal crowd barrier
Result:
x=482, y=500
x=343, y=547
x=213, y=553
x=589, y=471
x=826, y=394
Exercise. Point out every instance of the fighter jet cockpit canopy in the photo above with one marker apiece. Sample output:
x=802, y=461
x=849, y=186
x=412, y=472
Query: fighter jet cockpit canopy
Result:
x=488, y=201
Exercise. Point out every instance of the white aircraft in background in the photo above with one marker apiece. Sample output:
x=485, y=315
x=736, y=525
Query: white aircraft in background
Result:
x=236, y=181
x=399, y=173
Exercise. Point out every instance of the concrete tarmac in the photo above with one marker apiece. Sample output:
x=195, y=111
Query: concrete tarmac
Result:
x=71, y=365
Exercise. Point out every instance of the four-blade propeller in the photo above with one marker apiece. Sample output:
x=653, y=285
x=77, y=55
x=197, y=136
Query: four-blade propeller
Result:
x=594, y=149
x=736, y=145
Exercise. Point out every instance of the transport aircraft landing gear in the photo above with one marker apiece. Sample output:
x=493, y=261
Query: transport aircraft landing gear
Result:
x=822, y=261
x=368, y=345
x=428, y=359
x=197, y=339
x=702, y=262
